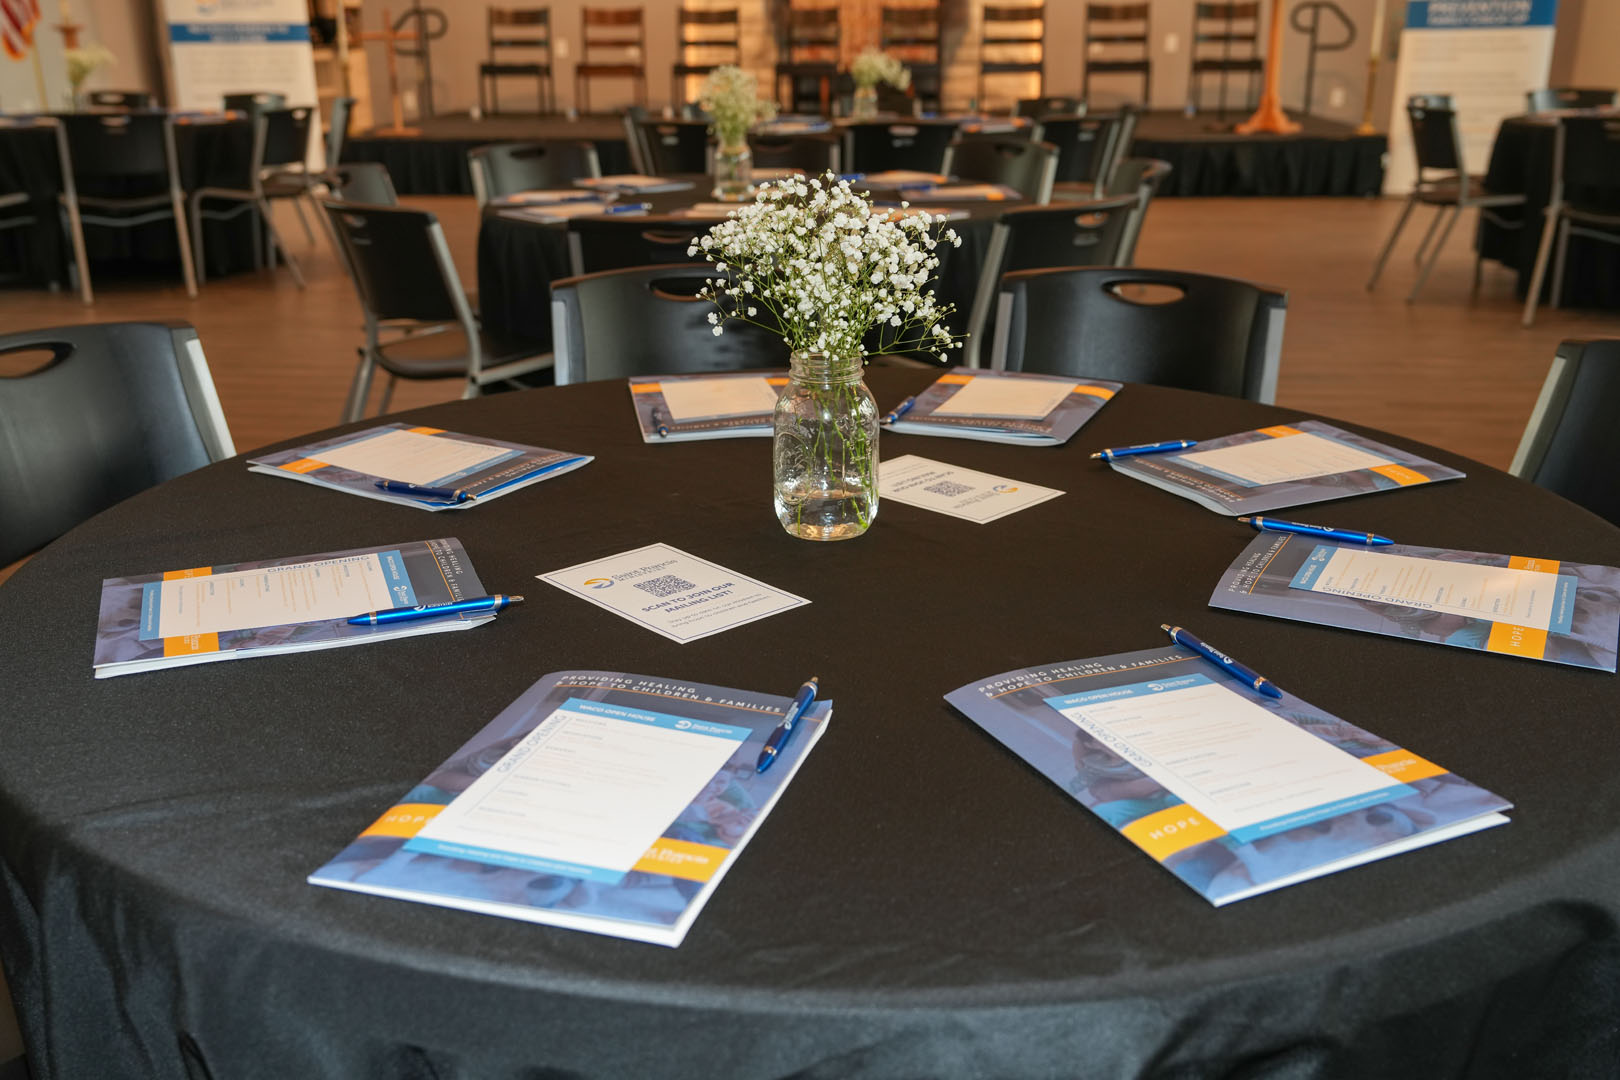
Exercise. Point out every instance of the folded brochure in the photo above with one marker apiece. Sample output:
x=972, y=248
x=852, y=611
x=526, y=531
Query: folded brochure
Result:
x=678, y=408
x=1005, y=406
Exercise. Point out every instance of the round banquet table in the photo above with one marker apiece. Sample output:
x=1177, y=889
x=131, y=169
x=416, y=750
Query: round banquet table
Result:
x=519, y=258
x=919, y=904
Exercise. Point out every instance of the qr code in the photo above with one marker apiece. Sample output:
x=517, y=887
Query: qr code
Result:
x=949, y=488
x=668, y=585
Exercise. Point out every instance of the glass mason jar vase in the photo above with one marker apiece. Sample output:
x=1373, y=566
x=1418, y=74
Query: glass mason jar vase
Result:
x=865, y=103
x=825, y=449
x=733, y=173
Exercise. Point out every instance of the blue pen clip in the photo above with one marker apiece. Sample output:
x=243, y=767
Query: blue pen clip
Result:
x=628, y=208
x=899, y=410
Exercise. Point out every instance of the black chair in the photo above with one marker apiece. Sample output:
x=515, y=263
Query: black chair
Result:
x=506, y=168
x=878, y=146
x=1030, y=167
x=619, y=35
x=1225, y=40
x=1217, y=334
x=1037, y=107
x=809, y=47
x=1010, y=33
x=337, y=132
x=114, y=409
x=515, y=29
x=134, y=155
x=1553, y=99
x=1122, y=44
x=1089, y=149
x=256, y=101
x=674, y=146
x=1571, y=443
x=813, y=153
x=1037, y=238
x=403, y=273
x=617, y=242
x=715, y=34
x=1437, y=149
x=364, y=182
x=1141, y=177
x=30, y=193
x=1584, y=203
x=912, y=35
x=119, y=99
x=649, y=321
x=280, y=142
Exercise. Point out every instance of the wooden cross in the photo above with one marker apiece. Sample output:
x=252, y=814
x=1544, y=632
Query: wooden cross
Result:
x=390, y=37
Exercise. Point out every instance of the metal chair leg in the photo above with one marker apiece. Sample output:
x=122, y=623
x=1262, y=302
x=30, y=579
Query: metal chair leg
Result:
x=76, y=236
x=1389, y=245
x=1549, y=226
x=303, y=222
x=1434, y=256
x=360, y=388
x=387, y=394
x=1560, y=257
x=177, y=205
x=277, y=244
x=1423, y=246
x=198, y=255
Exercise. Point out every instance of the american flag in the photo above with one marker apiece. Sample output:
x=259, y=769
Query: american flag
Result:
x=17, y=21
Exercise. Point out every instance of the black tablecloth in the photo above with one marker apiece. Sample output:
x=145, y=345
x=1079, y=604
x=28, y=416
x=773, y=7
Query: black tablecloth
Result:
x=1522, y=160
x=428, y=165
x=215, y=154
x=920, y=903
x=1324, y=158
x=518, y=258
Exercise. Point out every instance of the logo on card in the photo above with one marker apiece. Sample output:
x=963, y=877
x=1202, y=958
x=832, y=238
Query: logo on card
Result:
x=683, y=724
x=1005, y=489
x=599, y=582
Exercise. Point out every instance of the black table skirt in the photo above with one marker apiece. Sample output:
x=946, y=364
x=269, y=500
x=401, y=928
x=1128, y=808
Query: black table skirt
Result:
x=920, y=904
x=424, y=165
x=1522, y=160
x=1291, y=165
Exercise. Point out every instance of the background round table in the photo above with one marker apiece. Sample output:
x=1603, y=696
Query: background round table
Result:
x=920, y=903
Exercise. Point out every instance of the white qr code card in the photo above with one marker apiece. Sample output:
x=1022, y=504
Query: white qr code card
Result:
x=963, y=493
x=672, y=593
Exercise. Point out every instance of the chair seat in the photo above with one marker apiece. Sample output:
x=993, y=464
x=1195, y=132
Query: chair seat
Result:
x=1009, y=68
x=610, y=69
x=442, y=353
x=538, y=70
x=1251, y=63
x=1141, y=64
x=1446, y=192
x=285, y=187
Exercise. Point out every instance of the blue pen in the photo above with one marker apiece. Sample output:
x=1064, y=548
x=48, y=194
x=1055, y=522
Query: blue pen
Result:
x=400, y=487
x=784, y=731
x=900, y=410
x=1145, y=448
x=628, y=208
x=660, y=424
x=1349, y=536
x=1243, y=674
x=490, y=604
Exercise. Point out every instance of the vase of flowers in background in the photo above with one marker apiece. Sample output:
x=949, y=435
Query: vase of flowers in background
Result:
x=731, y=98
x=83, y=62
x=812, y=261
x=870, y=68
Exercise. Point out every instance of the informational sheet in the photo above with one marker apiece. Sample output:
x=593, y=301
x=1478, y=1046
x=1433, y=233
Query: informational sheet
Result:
x=672, y=593
x=1244, y=767
x=585, y=794
x=326, y=589
x=415, y=458
x=1280, y=460
x=963, y=493
x=705, y=399
x=1012, y=399
x=218, y=48
x=1502, y=594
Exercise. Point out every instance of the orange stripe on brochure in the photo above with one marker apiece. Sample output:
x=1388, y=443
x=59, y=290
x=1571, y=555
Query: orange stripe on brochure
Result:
x=190, y=645
x=1517, y=641
x=427, y=430
x=1400, y=474
x=1405, y=766
x=304, y=465
x=404, y=820
x=681, y=859
x=1175, y=828
x=955, y=380
x=646, y=388
x=1095, y=391
x=1278, y=431
x=197, y=571
x=1527, y=562
x=777, y=380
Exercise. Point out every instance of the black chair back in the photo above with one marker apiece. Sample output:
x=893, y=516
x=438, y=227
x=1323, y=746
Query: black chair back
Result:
x=113, y=409
x=255, y=102
x=716, y=37
x=518, y=28
x=1213, y=334
x=396, y=256
x=675, y=146
x=1571, y=97
x=286, y=135
x=337, y=133
x=365, y=182
x=1088, y=146
x=1027, y=166
x=120, y=99
x=911, y=144
x=814, y=153
x=1141, y=177
x=505, y=168
x=1434, y=133
x=103, y=146
x=1034, y=108
x=618, y=242
x=649, y=321
x=1572, y=442
x=1591, y=162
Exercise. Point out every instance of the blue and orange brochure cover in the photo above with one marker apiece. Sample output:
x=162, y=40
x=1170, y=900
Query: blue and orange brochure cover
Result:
x=1264, y=580
x=1431, y=804
x=1231, y=495
x=659, y=899
x=1085, y=398
x=652, y=412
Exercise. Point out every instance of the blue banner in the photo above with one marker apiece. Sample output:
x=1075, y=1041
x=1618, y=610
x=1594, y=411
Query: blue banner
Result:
x=215, y=32
x=1479, y=14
